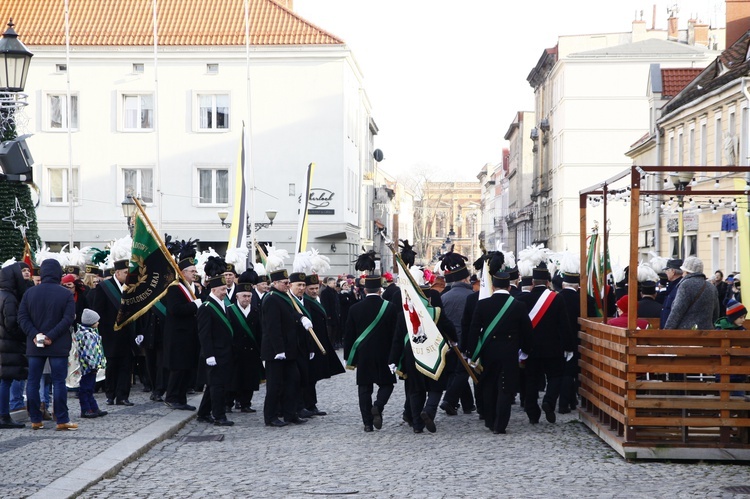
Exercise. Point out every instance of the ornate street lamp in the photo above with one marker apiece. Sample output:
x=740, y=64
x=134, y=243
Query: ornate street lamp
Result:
x=128, y=211
x=14, y=61
x=271, y=214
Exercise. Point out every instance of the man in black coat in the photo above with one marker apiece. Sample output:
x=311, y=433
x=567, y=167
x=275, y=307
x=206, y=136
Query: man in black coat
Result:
x=329, y=298
x=280, y=349
x=571, y=293
x=118, y=345
x=553, y=344
x=320, y=366
x=368, y=336
x=500, y=327
x=247, y=368
x=181, y=343
x=13, y=365
x=648, y=307
x=674, y=278
x=215, y=334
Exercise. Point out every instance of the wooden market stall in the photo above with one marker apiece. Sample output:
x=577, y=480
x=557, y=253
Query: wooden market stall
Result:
x=662, y=394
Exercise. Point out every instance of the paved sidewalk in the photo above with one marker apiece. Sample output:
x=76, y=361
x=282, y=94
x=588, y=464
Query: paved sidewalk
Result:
x=50, y=464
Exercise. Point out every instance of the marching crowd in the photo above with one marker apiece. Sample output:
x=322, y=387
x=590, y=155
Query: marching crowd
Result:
x=225, y=333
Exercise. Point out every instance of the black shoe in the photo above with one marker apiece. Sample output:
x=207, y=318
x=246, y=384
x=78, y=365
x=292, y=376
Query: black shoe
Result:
x=498, y=432
x=564, y=410
x=429, y=423
x=7, y=422
x=205, y=419
x=305, y=414
x=237, y=405
x=449, y=409
x=533, y=421
x=156, y=397
x=377, y=417
x=228, y=409
x=296, y=421
x=418, y=430
x=469, y=410
x=317, y=412
x=101, y=413
x=191, y=391
x=124, y=402
x=407, y=418
x=110, y=402
x=277, y=423
x=187, y=407
x=146, y=389
x=223, y=422
x=549, y=412
x=368, y=428
x=89, y=414
x=247, y=409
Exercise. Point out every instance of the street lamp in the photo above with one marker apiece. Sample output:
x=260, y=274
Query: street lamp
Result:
x=128, y=211
x=681, y=180
x=14, y=61
x=271, y=214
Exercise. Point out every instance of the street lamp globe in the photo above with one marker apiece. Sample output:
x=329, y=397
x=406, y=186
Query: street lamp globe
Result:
x=14, y=61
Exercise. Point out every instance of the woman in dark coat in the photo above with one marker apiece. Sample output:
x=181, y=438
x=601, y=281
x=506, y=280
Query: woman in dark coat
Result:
x=13, y=365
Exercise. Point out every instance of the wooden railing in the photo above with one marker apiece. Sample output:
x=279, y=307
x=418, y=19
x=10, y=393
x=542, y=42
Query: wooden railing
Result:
x=647, y=391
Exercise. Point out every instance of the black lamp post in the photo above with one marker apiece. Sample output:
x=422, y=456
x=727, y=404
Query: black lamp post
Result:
x=128, y=211
x=15, y=59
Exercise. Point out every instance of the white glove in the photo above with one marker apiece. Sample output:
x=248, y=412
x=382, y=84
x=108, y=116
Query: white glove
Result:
x=306, y=323
x=139, y=339
x=211, y=361
x=522, y=355
x=568, y=356
x=312, y=354
x=281, y=356
x=392, y=367
x=197, y=302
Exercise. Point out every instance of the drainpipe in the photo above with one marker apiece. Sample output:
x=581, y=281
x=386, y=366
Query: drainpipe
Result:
x=747, y=96
x=657, y=205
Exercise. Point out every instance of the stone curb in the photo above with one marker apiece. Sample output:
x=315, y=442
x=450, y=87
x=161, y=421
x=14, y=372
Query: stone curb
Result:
x=109, y=462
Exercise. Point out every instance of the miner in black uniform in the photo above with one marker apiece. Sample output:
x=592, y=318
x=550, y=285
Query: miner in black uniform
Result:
x=500, y=329
x=571, y=292
x=280, y=350
x=230, y=275
x=321, y=366
x=215, y=334
x=553, y=343
x=118, y=345
x=648, y=307
x=181, y=344
x=368, y=335
x=247, y=368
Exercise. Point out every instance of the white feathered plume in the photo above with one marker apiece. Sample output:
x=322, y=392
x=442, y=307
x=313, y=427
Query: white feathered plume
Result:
x=302, y=262
x=201, y=257
x=77, y=256
x=320, y=263
x=238, y=258
x=418, y=275
x=657, y=262
x=44, y=253
x=646, y=273
x=260, y=269
x=535, y=253
x=510, y=259
x=275, y=259
x=120, y=249
x=9, y=262
x=569, y=263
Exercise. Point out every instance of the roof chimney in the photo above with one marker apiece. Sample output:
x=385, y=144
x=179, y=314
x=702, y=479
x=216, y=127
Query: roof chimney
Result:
x=738, y=20
x=691, y=32
x=639, y=30
x=672, y=23
x=701, y=34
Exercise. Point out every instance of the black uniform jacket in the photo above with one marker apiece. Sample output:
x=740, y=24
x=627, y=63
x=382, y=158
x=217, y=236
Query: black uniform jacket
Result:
x=115, y=343
x=511, y=333
x=181, y=344
x=280, y=323
x=215, y=334
x=322, y=366
x=552, y=334
x=371, y=357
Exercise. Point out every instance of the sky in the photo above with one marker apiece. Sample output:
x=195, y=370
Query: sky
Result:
x=446, y=78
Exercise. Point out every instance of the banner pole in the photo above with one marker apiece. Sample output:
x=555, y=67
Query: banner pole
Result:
x=309, y=330
x=162, y=247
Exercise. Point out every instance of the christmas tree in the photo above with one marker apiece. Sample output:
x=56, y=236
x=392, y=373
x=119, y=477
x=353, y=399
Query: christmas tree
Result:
x=17, y=212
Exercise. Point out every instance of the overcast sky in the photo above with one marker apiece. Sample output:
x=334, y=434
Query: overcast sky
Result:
x=445, y=79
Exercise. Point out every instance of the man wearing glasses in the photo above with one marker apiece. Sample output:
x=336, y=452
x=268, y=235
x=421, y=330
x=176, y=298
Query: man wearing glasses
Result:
x=674, y=277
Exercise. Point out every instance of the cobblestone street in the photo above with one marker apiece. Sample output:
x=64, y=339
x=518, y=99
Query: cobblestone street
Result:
x=332, y=455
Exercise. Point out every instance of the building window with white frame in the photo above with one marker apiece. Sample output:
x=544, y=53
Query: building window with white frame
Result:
x=213, y=112
x=139, y=182
x=718, y=143
x=58, y=185
x=137, y=111
x=213, y=186
x=704, y=149
x=58, y=112
x=691, y=144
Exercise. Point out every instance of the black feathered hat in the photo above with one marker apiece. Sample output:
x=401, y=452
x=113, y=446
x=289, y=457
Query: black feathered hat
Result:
x=453, y=266
x=249, y=276
x=366, y=261
x=497, y=261
x=186, y=253
x=407, y=252
x=215, y=265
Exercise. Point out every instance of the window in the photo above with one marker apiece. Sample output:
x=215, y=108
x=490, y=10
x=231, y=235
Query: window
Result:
x=213, y=186
x=61, y=68
x=704, y=138
x=59, y=186
x=674, y=245
x=213, y=111
x=691, y=245
x=138, y=112
x=139, y=182
x=743, y=141
x=57, y=112
x=691, y=145
x=680, y=146
x=671, y=152
x=212, y=69
x=718, y=143
x=138, y=67
x=730, y=252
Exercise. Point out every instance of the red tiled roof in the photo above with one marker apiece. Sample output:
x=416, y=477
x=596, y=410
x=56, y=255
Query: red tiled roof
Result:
x=673, y=80
x=180, y=22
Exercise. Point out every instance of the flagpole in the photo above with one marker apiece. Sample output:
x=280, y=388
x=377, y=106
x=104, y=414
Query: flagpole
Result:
x=310, y=329
x=162, y=246
x=389, y=243
x=249, y=215
x=69, y=122
x=156, y=116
